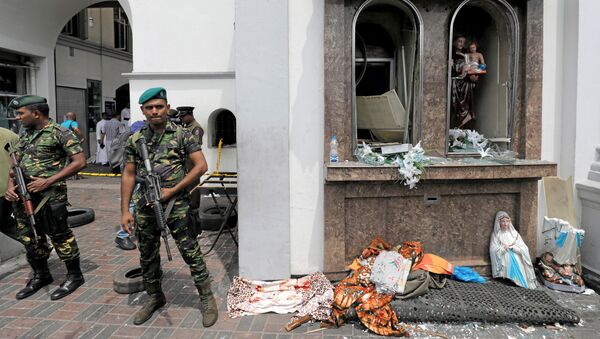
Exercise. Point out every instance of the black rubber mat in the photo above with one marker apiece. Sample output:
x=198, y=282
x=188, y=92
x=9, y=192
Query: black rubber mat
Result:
x=492, y=302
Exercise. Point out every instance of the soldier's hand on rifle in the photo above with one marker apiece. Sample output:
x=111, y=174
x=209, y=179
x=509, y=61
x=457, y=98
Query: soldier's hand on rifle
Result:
x=127, y=221
x=11, y=193
x=167, y=193
x=38, y=184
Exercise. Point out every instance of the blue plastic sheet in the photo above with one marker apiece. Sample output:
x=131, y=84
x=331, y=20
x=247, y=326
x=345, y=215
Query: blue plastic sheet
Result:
x=466, y=274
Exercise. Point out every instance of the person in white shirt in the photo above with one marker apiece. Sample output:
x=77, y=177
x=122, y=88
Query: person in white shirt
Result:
x=111, y=129
x=101, y=154
x=126, y=116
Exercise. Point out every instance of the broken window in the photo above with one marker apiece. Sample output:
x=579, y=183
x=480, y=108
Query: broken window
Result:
x=387, y=72
x=483, y=52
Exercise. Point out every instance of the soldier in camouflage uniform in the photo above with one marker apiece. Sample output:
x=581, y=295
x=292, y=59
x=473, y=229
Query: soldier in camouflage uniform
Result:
x=186, y=115
x=168, y=147
x=43, y=149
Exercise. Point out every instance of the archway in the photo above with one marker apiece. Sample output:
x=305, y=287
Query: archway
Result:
x=387, y=49
x=222, y=125
x=122, y=97
x=92, y=52
x=486, y=102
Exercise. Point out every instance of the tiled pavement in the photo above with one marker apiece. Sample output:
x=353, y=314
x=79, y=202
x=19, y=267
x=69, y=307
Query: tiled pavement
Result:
x=96, y=311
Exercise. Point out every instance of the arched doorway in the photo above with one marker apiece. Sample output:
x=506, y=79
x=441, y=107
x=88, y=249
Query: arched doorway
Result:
x=92, y=52
x=222, y=126
x=122, y=97
x=387, y=49
x=481, y=95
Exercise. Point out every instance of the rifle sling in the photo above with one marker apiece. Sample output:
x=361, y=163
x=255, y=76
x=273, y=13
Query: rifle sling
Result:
x=41, y=204
x=169, y=208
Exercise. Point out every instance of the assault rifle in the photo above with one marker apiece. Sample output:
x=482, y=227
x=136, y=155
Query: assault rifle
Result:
x=153, y=194
x=22, y=188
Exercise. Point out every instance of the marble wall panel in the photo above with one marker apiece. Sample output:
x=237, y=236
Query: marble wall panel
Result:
x=458, y=228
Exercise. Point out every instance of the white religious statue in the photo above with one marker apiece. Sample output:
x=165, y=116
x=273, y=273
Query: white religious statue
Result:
x=509, y=254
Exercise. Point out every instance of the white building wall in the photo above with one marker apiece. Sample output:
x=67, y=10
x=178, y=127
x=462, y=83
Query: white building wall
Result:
x=206, y=95
x=191, y=55
x=306, y=128
x=183, y=36
x=263, y=105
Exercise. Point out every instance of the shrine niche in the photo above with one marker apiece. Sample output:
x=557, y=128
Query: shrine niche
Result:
x=461, y=190
x=386, y=70
x=483, y=56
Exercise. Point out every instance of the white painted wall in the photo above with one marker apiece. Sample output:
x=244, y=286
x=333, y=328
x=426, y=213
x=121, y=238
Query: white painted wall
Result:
x=183, y=35
x=263, y=104
x=206, y=95
x=587, y=135
x=190, y=53
x=571, y=108
x=552, y=98
x=306, y=134
x=571, y=105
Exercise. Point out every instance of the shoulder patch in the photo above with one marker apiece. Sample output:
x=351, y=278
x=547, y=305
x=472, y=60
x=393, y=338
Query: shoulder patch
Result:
x=196, y=131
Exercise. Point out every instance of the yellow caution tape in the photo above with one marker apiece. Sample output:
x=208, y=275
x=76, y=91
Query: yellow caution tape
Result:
x=99, y=174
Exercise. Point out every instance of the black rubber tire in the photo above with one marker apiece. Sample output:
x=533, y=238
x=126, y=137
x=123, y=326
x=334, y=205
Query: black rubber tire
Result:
x=211, y=220
x=128, y=280
x=80, y=216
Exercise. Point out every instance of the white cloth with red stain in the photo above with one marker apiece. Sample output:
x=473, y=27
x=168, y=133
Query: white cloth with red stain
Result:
x=305, y=295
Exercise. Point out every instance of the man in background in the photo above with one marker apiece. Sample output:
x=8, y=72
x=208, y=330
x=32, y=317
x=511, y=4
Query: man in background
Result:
x=111, y=129
x=71, y=124
x=8, y=224
x=101, y=155
x=186, y=116
x=126, y=116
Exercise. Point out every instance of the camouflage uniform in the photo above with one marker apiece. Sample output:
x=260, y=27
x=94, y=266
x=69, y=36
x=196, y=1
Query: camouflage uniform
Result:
x=8, y=226
x=197, y=132
x=167, y=153
x=43, y=153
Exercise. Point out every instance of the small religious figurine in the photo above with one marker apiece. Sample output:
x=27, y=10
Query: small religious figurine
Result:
x=509, y=254
x=463, y=86
x=475, y=61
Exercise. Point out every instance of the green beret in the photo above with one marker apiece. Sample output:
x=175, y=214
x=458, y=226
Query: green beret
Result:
x=153, y=93
x=25, y=100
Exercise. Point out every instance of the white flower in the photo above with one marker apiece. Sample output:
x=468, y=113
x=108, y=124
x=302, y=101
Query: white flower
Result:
x=457, y=144
x=456, y=133
x=411, y=182
x=474, y=137
x=484, y=153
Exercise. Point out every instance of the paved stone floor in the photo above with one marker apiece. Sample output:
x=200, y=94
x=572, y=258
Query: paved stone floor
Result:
x=96, y=311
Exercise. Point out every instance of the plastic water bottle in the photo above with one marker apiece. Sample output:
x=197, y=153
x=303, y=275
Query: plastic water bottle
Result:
x=333, y=149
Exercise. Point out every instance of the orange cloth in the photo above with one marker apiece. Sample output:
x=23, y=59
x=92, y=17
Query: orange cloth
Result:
x=434, y=264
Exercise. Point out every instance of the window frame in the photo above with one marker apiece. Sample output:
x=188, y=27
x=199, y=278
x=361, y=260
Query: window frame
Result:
x=417, y=119
x=512, y=20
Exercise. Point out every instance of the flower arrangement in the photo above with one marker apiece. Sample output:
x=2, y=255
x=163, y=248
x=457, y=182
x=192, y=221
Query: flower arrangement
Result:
x=466, y=140
x=411, y=165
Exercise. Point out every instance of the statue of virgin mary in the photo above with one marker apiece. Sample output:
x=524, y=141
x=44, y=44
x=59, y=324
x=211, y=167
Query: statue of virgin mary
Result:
x=509, y=254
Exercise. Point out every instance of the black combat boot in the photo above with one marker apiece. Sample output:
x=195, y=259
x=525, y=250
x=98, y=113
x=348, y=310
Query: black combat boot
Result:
x=208, y=305
x=156, y=301
x=74, y=280
x=41, y=277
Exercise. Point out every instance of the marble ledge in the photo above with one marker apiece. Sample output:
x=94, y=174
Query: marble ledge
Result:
x=349, y=171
